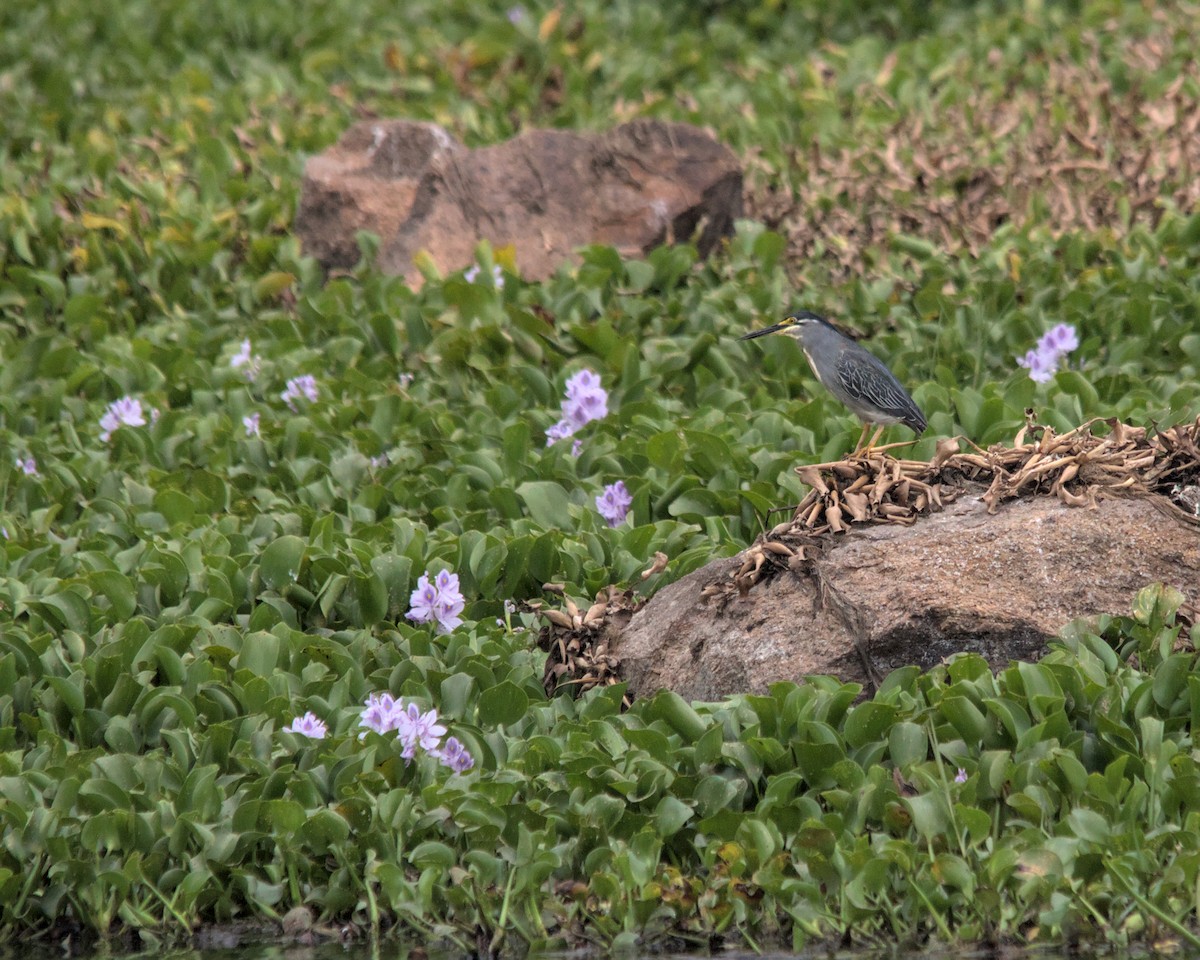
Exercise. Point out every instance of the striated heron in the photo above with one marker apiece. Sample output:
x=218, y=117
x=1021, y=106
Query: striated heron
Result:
x=851, y=373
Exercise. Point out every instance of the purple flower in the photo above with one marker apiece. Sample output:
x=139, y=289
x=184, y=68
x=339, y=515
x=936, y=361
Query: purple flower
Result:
x=585, y=401
x=251, y=425
x=405, y=380
x=961, y=776
x=28, y=466
x=126, y=412
x=309, y=725
x=560, y=431
x=614, y=503
x=415, y=730
x=576, y=447
x=471, y=274
x=583, y=383
x=423, y=728
x=1052, y=346
x=244, y=358
x=441, y=600
x=1040, y=364
x=455, y=756
x=381, y=714
x=302, y=386
x=1062, y=339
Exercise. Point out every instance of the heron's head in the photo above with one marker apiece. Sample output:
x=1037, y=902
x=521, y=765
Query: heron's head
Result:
x=794, y=325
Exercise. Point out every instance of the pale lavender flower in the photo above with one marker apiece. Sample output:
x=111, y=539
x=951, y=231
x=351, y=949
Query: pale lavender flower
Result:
x=583, y=383
x=244, y=358
x=961, y=776
x=424, y=728
x=448, y=613
x=405, y=379
x=251, y=424
x=309, y=725
x=381, y=713
x=1061, y=338
x=1052, y=346
x=28, y=466
x=560, y=431
x=441, y=600
x=379, y=461
x=455, y=756
x=614, y=503
x=585, y=401
x=517, y=15
x=126, y=412
x=576, y=447
x=1040, y=364
x=471, y=275
x=422, y=601
x=302, y=386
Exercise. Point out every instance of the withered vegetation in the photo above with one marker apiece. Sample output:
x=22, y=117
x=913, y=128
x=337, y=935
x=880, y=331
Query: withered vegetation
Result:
x=1069, y=155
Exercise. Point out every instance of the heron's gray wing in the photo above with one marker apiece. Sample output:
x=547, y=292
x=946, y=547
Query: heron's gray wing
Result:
x=871, y=385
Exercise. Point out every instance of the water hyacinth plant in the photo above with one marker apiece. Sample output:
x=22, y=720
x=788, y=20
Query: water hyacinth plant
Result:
x=1052, y=347
x=439, y=600
x=125, y=412
x=614, y=503
x=586, y=400
x=316, y=540
x=302, y=387
x=308, y=725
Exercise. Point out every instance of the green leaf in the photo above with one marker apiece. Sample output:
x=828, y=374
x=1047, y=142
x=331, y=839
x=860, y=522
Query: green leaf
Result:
x=502, y=704
x=907, y=744
x=547, y=503
x=281, y=560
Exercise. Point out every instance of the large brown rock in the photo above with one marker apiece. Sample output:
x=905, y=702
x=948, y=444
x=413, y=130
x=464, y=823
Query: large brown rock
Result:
x=546, y=192
x=888, y=595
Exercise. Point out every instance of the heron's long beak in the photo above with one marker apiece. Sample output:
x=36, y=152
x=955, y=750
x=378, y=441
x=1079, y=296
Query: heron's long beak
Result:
x=773, y=328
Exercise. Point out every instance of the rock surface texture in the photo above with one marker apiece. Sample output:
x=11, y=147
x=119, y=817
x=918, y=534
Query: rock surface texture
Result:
x=890, y=595
x=546, y=192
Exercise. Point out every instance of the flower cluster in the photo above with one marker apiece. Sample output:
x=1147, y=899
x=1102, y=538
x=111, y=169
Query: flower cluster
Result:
x=303, y=386
x=614, y=503
x=383, y=713
x=471, y=275
x=249, y=363
x=585, y=401
x=441, y=600
x=416, y=730
x=126, y=412
x=27, y=465
x=1054, y=344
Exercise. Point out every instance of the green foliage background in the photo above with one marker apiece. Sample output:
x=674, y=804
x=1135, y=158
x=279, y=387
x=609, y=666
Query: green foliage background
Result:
x=172, y=598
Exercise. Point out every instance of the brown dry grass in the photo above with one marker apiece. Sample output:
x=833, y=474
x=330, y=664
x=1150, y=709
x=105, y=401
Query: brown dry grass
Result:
x=1001, y=155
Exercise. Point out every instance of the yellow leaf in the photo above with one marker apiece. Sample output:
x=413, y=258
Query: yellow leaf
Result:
x=393, y=59
x=549, y=24
x=506, y=257
x=273, y=284
x=93, y=221
x=1014, y=266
